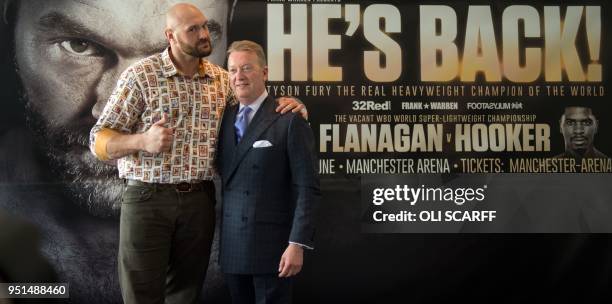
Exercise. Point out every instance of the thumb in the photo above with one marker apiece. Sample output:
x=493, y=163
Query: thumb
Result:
x=281, y=265
x=162, y=121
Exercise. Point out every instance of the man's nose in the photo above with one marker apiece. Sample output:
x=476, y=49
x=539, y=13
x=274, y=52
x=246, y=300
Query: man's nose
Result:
x=579, y=128
x=203, y=33
x=240, y=74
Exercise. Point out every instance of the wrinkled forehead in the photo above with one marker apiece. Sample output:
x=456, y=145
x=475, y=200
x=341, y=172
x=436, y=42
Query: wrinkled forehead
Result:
x=185, y=18
x=578, y=113
x=125, y=14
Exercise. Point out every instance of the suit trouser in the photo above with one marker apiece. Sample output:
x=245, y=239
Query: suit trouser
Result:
x=165, y=238
x=259, y=288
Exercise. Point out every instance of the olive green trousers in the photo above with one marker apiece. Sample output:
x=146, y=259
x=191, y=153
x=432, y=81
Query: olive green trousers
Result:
x=165, y=239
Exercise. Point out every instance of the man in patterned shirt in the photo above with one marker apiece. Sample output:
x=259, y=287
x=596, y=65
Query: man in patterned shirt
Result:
x=161, y=124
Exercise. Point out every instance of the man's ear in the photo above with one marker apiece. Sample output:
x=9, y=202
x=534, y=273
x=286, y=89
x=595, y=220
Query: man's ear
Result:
x=169, y=35
x=265, y=71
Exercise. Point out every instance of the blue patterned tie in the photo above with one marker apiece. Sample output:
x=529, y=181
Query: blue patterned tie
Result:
x=242, y=122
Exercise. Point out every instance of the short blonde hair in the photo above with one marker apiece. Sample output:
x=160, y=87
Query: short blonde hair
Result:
x=249, y=46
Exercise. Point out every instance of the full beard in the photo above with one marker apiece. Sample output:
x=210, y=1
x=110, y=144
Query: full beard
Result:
x=90, y=183
x=195, y=51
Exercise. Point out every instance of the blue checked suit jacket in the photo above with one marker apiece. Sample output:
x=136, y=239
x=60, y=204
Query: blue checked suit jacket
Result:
x=269, y=193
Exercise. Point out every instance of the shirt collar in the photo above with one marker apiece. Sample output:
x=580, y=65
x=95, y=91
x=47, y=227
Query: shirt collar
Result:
x=255, y=105
x=169, y=69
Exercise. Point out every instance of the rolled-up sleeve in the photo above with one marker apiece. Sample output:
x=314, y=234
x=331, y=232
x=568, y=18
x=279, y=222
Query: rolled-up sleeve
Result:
x=121, y=113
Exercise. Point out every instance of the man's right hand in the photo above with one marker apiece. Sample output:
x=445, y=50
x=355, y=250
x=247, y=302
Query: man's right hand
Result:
x=158, y=138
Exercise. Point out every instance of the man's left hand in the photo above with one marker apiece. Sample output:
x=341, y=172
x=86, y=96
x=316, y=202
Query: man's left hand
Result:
x=291, y=262
x=286, y=104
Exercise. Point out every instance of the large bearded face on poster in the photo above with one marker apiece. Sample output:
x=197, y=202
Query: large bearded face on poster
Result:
x=69, y=55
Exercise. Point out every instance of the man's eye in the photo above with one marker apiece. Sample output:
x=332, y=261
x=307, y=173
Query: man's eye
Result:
x=81, y=47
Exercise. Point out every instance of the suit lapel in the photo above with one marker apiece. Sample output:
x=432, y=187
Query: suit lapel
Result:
x=228, y=138
x=264, y=117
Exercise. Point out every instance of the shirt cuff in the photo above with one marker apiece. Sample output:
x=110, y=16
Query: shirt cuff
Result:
x=302, y=245
x=102, y=138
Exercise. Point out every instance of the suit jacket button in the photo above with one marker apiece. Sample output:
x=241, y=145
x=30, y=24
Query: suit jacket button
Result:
x=244, y=218
x=255, y=167
x=246, y=193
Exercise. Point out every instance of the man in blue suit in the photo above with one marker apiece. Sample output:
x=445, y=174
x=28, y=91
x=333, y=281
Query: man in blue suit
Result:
x=270, y=186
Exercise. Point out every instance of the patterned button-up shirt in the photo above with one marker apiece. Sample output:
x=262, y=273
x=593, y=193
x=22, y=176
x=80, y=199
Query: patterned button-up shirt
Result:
x=193, y=106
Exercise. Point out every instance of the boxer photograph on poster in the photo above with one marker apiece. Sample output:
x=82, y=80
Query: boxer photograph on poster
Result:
x=63, y=60
x=579, y=127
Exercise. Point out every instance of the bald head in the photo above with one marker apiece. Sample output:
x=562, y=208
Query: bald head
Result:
x=187, y=32
x=180, y=12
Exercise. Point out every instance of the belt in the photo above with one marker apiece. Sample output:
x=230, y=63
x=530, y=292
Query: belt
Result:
x=180, y=187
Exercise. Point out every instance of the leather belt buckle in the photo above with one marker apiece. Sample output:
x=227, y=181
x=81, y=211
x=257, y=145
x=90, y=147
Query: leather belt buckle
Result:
x=183, y=187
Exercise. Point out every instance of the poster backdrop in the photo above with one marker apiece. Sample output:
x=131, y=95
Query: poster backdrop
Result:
x=463, y=145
